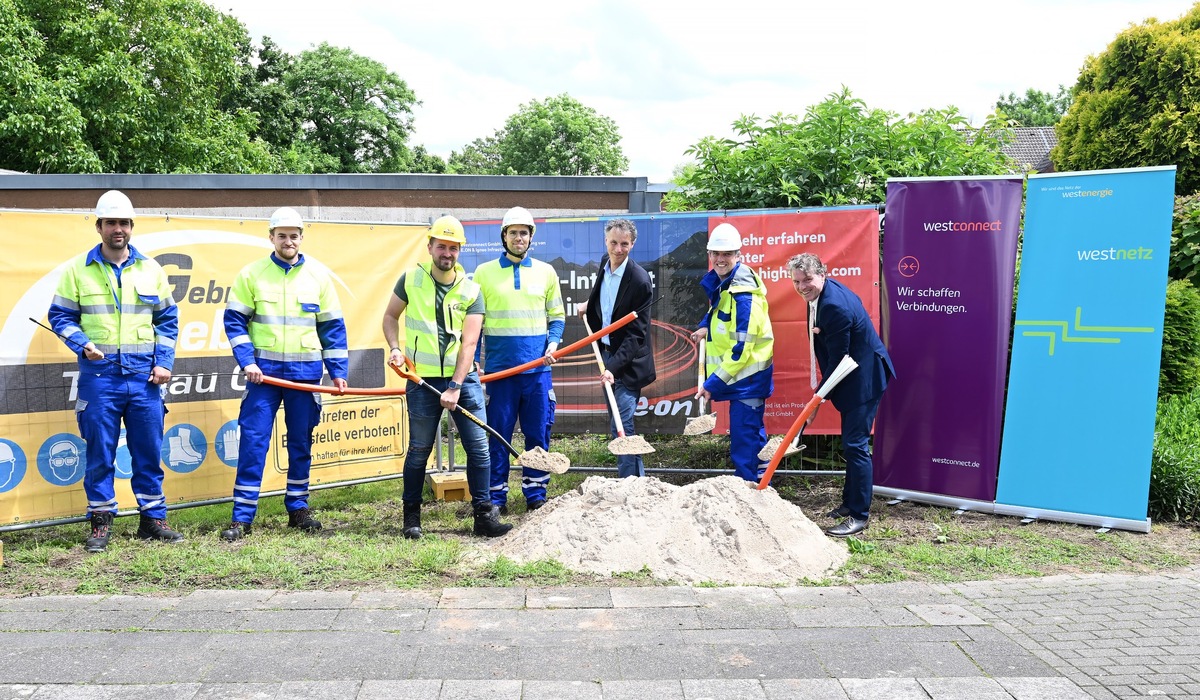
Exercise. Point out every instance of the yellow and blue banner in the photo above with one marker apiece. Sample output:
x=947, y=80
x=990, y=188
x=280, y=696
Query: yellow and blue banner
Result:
x=1087, y=340
x=41, y=453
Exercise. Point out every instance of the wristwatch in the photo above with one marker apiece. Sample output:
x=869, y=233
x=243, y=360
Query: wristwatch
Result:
x=453, y=385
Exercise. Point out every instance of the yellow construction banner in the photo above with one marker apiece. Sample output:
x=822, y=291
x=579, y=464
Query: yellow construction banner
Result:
x=42, y=457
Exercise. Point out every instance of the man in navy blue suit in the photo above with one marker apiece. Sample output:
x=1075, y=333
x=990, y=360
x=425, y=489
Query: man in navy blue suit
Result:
x=839, y=326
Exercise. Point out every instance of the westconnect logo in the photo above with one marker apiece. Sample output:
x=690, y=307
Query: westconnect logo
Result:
x=956, y=226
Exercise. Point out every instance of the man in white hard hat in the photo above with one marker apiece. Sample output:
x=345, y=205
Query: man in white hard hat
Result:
x=740, y=348
x=113, y=307
x=525, y=321
x=443, y=313
x=283, y=320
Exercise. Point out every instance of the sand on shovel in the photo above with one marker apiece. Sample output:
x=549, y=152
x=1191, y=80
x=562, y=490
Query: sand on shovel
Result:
x=768, y=451
x=700, y=424
x=630, y=445
x=553, y=462
x=721, y=530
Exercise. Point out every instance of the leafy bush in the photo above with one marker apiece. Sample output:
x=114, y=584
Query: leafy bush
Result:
x=1185, y=240
x=1179, y=372
x=1175, y=466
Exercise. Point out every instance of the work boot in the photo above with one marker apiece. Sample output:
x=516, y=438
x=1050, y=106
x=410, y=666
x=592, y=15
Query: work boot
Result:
x=236, y=531
x=531, y=506
x=101, y=526
x=155, y=529
x=487, y=521
x=412, y=521
x=303, y=519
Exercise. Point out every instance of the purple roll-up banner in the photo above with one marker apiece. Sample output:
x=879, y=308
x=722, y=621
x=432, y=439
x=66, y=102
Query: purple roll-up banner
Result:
x=949, y=256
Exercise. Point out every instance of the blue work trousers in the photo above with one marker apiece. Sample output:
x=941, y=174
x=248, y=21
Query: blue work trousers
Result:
x=105, y=401
x=747, y=437
x=529, y=397
x=627, y=401
x=856, y=448
x=424, y=413
x=301, y=414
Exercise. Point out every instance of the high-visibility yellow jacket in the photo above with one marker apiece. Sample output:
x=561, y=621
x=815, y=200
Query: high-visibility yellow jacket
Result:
x=287, y=320
x=741, y=346
x=524, y=312
x=127, y=311
x=421, y=338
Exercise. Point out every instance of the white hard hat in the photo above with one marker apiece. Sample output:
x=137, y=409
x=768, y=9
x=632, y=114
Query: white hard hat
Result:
x=113, y=204
x=518, y=215
x=286, y=216
x=725, y=237
x=6, y=453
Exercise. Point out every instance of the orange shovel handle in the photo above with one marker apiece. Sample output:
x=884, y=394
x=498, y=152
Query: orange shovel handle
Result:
x=322, y=389
x=561, y=352
x=797, y=427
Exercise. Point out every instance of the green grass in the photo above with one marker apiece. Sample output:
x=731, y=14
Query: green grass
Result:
x=362, y=546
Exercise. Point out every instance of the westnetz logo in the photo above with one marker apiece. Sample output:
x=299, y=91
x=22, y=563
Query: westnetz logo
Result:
x=1116, y=254
x=955, y=226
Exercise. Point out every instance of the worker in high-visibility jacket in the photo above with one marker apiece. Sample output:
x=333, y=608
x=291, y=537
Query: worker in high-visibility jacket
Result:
x=113, y=306
x=443, y=313
x=740, y=361
x=283, y=320
x=525, y=321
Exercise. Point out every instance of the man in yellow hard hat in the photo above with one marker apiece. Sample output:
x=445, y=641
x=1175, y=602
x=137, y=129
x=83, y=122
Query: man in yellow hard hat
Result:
x=443, y=315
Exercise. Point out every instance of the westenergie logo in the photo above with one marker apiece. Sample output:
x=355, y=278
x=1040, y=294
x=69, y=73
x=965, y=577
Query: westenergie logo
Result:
x=955, y=226
x=1088, y=193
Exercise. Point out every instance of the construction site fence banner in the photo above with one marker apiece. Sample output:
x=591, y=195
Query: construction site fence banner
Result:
x=673, y=249
x=1083, y=384
x=949, y=256
x=42, y=457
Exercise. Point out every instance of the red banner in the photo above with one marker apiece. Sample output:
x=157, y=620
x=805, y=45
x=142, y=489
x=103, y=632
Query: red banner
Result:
x=847, y=241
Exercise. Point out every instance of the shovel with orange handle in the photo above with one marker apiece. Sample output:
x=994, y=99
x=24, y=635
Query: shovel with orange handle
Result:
x=407, y=370
x=845, y=367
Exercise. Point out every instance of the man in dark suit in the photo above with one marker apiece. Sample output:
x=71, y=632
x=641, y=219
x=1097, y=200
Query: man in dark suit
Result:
x=623, y=286
x=839, y=326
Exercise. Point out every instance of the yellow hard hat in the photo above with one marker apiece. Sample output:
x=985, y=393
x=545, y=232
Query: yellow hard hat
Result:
x=448, y=228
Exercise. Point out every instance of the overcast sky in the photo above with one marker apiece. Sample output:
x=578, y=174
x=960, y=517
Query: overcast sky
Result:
x=670, y=73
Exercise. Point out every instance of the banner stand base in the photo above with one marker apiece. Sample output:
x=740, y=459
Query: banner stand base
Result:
x=935, y=499
x=1099, y=521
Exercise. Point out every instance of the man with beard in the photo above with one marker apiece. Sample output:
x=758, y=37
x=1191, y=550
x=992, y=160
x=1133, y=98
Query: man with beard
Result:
x=525, y=321
x=113, y=306
x=443, y=314
x=283, y=320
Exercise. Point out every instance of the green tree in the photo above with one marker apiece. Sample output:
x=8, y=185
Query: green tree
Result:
x=1036, y=108
x=123, y=86
x=561, y=136
x=1138, y=104
x=558, y=136
x=840, y=152
x=480, y=157
x=353, y=109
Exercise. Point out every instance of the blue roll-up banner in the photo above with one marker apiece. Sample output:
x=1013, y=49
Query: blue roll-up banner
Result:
x=1087, y=340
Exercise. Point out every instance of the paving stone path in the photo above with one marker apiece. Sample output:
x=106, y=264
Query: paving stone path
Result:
x=1056, y=638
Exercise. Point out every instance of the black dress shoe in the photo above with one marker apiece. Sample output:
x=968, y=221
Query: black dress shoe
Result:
x=838, y=513
x=849, y=526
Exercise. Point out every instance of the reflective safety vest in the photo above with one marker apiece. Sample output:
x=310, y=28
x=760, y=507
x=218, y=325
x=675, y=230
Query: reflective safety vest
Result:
x=741, y=345
x=133, y=316
x=284, y=309
x=524, y=311
x=421, y=341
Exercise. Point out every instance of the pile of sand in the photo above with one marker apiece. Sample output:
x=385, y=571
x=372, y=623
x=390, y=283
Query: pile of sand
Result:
x=720, y=530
